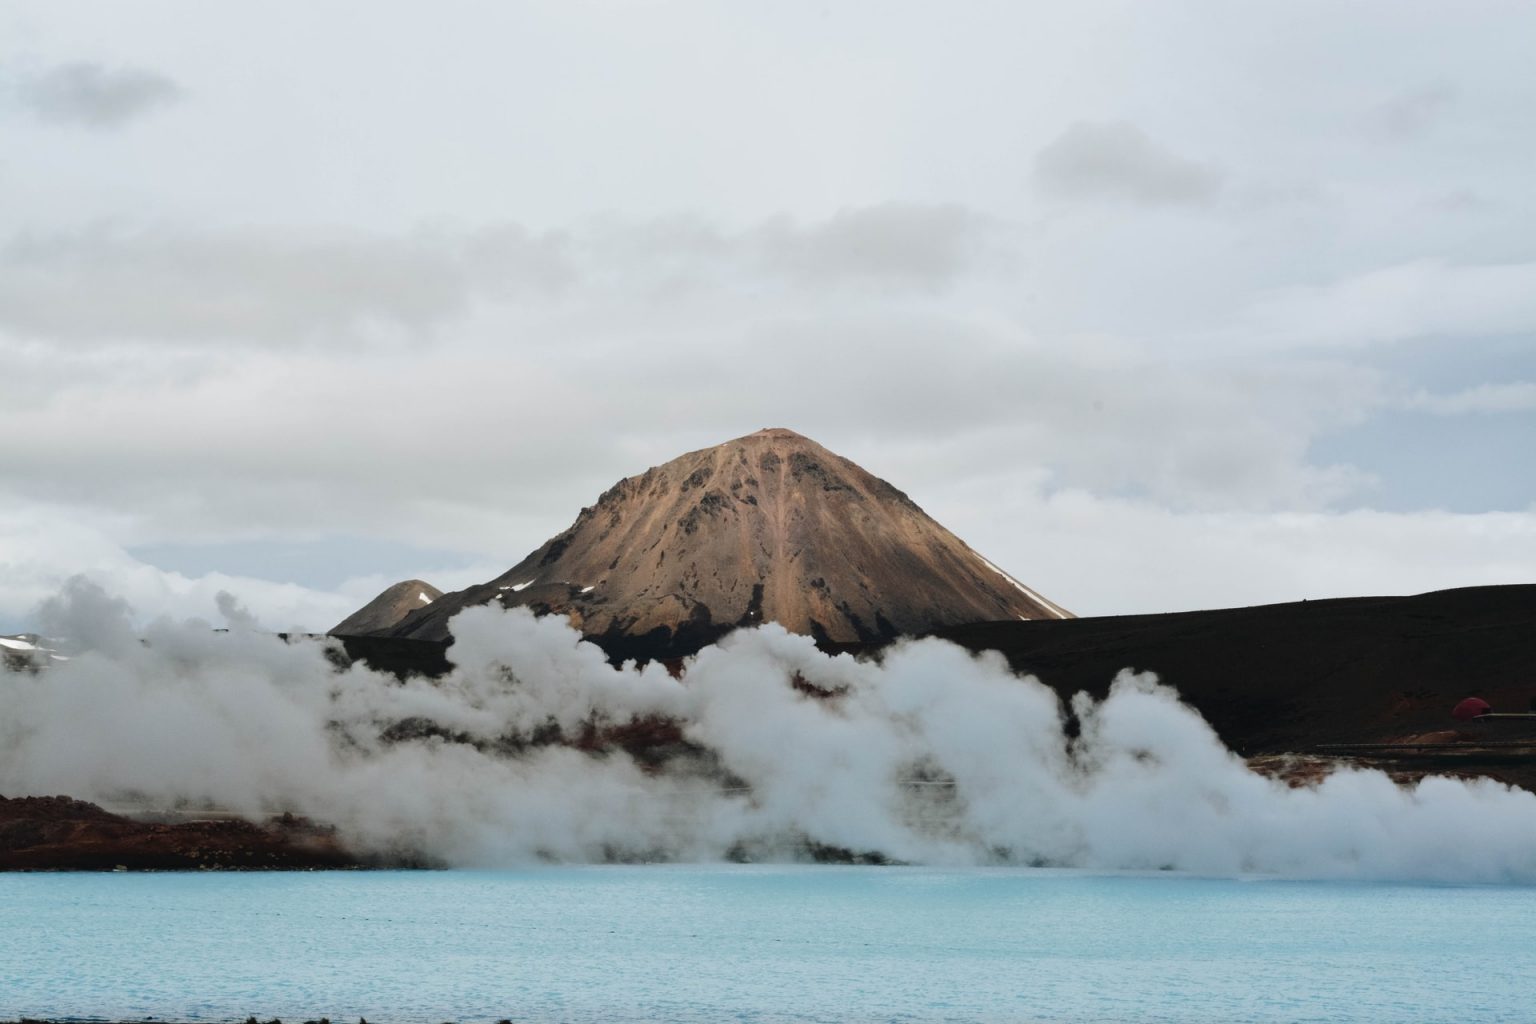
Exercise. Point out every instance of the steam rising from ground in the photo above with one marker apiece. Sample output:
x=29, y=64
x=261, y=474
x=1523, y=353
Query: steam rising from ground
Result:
x=932, y=755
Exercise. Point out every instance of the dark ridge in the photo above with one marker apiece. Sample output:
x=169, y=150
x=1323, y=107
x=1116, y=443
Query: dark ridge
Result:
x=398, y=656
x=1284, y=677
x=865, y=634
x=660, y=643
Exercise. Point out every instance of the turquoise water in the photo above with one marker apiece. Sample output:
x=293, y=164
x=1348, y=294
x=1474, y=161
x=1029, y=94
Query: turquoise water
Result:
x=760, y=944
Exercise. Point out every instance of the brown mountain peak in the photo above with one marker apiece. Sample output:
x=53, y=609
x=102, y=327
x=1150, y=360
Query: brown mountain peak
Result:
x=770, y=526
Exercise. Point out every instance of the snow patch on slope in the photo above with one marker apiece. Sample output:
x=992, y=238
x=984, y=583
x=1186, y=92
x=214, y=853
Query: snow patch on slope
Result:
x=1056, y=610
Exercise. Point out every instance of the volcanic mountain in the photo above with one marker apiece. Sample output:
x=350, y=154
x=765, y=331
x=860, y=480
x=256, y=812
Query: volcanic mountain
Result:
x=386, y=610
x=768, y=527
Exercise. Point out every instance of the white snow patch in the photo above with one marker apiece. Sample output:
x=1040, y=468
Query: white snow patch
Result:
x=517, y=586
x=1055, y=609
x=16, y=645
x=424, y=598
x=588, y=590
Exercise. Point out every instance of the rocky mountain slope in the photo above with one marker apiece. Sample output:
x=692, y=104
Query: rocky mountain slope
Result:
x=385, y=611
x=767, y=527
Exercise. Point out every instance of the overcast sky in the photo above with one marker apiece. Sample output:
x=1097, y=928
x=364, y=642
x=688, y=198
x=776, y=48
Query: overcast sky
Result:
x=1158, y=305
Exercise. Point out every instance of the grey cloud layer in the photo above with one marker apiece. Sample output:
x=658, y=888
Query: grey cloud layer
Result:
x=94, y=95
x=302, y=286
x=886, y=325
x=1118, y=161
x=1411, y=114
x=167, y=286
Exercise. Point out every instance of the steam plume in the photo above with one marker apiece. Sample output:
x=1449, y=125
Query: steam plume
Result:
x=932, y=755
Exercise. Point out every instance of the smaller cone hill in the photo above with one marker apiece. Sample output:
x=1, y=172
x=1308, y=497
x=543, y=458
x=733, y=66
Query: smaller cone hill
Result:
x=385, y=611
x=768, y=527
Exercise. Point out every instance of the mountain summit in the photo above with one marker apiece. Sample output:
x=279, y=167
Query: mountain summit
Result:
x=386, y=610
x=768, y=527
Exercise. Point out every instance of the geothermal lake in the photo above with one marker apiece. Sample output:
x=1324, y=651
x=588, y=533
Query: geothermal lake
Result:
x=759, y=944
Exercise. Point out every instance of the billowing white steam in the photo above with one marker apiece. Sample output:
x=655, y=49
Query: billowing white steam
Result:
x=932, y=755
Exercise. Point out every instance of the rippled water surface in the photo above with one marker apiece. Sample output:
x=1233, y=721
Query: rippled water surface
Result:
x=760, y=944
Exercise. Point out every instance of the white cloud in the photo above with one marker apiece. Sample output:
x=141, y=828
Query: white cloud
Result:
x=1424, y=298
x=1116, y=160
x=42, y=547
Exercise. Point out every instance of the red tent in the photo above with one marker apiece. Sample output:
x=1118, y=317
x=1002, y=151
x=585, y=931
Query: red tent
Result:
x=1470, y=708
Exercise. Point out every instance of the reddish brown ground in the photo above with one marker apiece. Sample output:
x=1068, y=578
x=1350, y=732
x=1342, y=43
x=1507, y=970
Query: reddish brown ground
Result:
x=56, y=833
